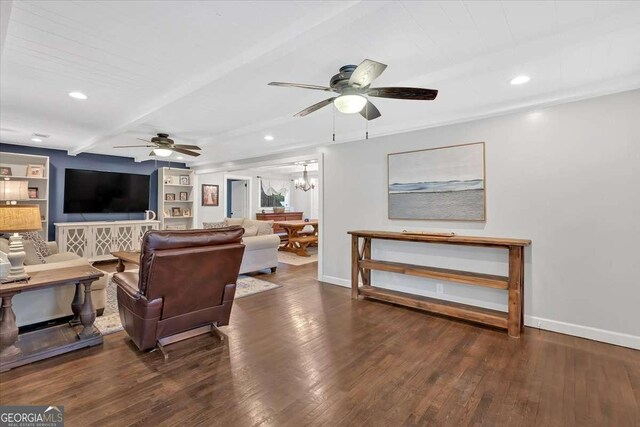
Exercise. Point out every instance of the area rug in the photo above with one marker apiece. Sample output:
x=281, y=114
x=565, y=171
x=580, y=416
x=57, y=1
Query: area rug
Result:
x=109, y=322
x=293, y=259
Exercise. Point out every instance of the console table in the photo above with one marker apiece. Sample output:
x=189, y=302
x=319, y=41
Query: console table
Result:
x=513, y=321
x=17, y=350
x=96, y=240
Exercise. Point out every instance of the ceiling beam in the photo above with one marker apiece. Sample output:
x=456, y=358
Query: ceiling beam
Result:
x=295, y=36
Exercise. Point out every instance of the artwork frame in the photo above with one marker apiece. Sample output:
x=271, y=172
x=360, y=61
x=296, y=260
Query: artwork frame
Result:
x=184, y=196
x=445, y=183
x=176, y=212
x=186, y=212
x=170, y=197
x=184, y=180
x=35, y=171
x=34, y=192
x=210, y=195
x=5, y=171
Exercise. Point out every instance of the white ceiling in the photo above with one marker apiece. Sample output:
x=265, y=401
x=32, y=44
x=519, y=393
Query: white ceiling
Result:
x=199, y=70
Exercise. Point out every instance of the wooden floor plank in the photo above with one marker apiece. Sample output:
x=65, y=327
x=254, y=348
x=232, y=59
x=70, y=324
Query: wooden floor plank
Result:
x=307, y=354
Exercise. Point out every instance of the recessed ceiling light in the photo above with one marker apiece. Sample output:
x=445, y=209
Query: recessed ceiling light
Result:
x=78, y=95
x=520, y=80
x=36, y=139
x=179, y=157
x=268, y=137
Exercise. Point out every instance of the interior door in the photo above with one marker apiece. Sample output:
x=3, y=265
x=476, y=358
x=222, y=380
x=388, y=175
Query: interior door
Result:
x=239, y=199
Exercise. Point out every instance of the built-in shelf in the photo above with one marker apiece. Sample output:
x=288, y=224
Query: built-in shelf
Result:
x=164, y=206
x=19, y=165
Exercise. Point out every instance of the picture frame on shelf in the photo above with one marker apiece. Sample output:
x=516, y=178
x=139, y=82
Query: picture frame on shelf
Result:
x=184, y=179
x=176, y=212
x=186, y=212
x=184, y=196
x=5, y=171
x=35, y=171
x=170, y=196
x=33, y=192
x=175, y=227
x=210, y=195
x=167, y=212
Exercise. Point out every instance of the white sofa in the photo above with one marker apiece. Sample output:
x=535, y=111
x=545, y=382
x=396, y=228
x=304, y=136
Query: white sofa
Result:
x=261, y=245
x=52, y=303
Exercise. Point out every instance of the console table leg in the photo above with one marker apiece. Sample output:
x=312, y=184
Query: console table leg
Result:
x=366, y=254
x=8, y=328
x=355, y=257
x=120, y=266
x=88, y=313
x=514, y=320
x=76, y=305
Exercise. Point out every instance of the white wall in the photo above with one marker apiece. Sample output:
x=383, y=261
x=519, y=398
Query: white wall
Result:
x=209, y=213
x=567, y=177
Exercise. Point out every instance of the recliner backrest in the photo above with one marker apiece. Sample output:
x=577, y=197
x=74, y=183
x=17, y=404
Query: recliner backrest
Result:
x=189, y=269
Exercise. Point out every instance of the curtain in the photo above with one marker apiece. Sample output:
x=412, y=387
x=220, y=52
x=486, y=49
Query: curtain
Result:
x=275, y=186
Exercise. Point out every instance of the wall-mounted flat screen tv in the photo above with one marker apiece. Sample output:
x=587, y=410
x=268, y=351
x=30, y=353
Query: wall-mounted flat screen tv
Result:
x=88, y=191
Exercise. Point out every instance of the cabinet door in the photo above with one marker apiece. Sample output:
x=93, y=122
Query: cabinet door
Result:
x=76, y=240
x=102, y=241
x=139, y=233
x=124, y=237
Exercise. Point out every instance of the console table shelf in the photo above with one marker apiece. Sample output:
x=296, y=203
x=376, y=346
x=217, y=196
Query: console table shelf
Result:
x=513, y=320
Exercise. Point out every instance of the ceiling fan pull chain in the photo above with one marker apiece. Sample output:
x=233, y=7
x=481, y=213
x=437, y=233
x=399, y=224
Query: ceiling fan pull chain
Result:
x=334, y=123
x=366, y=106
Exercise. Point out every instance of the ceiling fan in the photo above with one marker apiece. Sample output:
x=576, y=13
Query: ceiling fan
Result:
x=353, y=83
x=163, y=146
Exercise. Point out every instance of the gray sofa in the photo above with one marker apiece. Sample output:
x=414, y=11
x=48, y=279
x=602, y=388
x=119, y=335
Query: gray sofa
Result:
x=51, y=303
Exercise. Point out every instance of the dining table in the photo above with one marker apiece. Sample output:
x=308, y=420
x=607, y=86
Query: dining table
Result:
x=298, y=240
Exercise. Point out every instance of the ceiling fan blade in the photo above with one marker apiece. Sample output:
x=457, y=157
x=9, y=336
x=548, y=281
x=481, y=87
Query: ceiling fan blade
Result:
x=366, y=73
x=133, y=146
x=315, y=107
x=370, y=111
x=145, y=140
x=187, y=147
x=183, y=151
x=404, y=93
x=302, y=86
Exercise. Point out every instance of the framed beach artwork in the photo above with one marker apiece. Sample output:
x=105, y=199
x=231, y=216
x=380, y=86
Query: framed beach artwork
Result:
x=445, y=183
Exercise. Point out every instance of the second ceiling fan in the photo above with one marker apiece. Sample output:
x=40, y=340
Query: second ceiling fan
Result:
x=352, y=83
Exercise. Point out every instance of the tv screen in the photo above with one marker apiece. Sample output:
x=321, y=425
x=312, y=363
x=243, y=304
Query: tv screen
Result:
x=105, y=192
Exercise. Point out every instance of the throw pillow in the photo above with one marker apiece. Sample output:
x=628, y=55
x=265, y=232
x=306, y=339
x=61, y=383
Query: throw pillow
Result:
x=209, y=225
x=250, y=231
x=233, y=221
x=31, y=255
x=40, y=246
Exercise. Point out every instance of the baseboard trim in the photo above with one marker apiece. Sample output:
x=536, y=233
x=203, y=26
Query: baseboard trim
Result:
x=595, y=334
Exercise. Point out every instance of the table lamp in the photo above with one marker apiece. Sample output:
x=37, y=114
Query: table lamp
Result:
x=18, y=219
x=12, y=191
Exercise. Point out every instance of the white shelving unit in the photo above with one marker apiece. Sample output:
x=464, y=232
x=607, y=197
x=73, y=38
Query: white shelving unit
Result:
x=19, y=163
x=169, y=183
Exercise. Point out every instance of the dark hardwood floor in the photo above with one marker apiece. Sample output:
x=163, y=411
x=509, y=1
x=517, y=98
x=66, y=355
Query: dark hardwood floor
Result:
x=306, y=354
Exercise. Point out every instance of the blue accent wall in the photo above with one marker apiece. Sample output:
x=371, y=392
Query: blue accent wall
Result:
x=59, y=160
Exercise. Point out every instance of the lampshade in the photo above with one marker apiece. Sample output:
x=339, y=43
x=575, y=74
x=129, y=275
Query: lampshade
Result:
x=14, y=190
x=350, y=103
x=19, y=218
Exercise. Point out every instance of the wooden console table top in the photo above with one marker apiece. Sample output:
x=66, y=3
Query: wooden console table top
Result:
x=52, y=277
x=427, y=238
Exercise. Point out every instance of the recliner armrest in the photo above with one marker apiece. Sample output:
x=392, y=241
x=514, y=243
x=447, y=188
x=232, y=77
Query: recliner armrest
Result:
x=128, y=281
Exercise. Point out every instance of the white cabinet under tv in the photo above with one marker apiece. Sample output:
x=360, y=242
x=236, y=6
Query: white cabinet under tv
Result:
x=97, y=239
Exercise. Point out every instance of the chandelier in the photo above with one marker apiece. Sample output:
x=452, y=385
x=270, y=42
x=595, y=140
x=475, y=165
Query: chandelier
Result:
x=303, y=183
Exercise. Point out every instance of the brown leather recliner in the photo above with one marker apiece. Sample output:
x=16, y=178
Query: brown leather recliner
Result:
x=187, y=279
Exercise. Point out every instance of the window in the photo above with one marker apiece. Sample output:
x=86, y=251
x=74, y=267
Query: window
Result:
x=274, y=193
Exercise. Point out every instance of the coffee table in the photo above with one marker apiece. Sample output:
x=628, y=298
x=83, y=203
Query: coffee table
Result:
x=126, y=256
x=19, y=349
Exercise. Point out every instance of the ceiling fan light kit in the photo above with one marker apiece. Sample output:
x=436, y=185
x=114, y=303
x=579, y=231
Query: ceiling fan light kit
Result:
x=162, y=152
x=350, y=104
x=353, y=84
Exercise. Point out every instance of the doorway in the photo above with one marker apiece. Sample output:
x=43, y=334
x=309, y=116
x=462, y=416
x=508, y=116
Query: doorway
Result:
x=237, y=197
